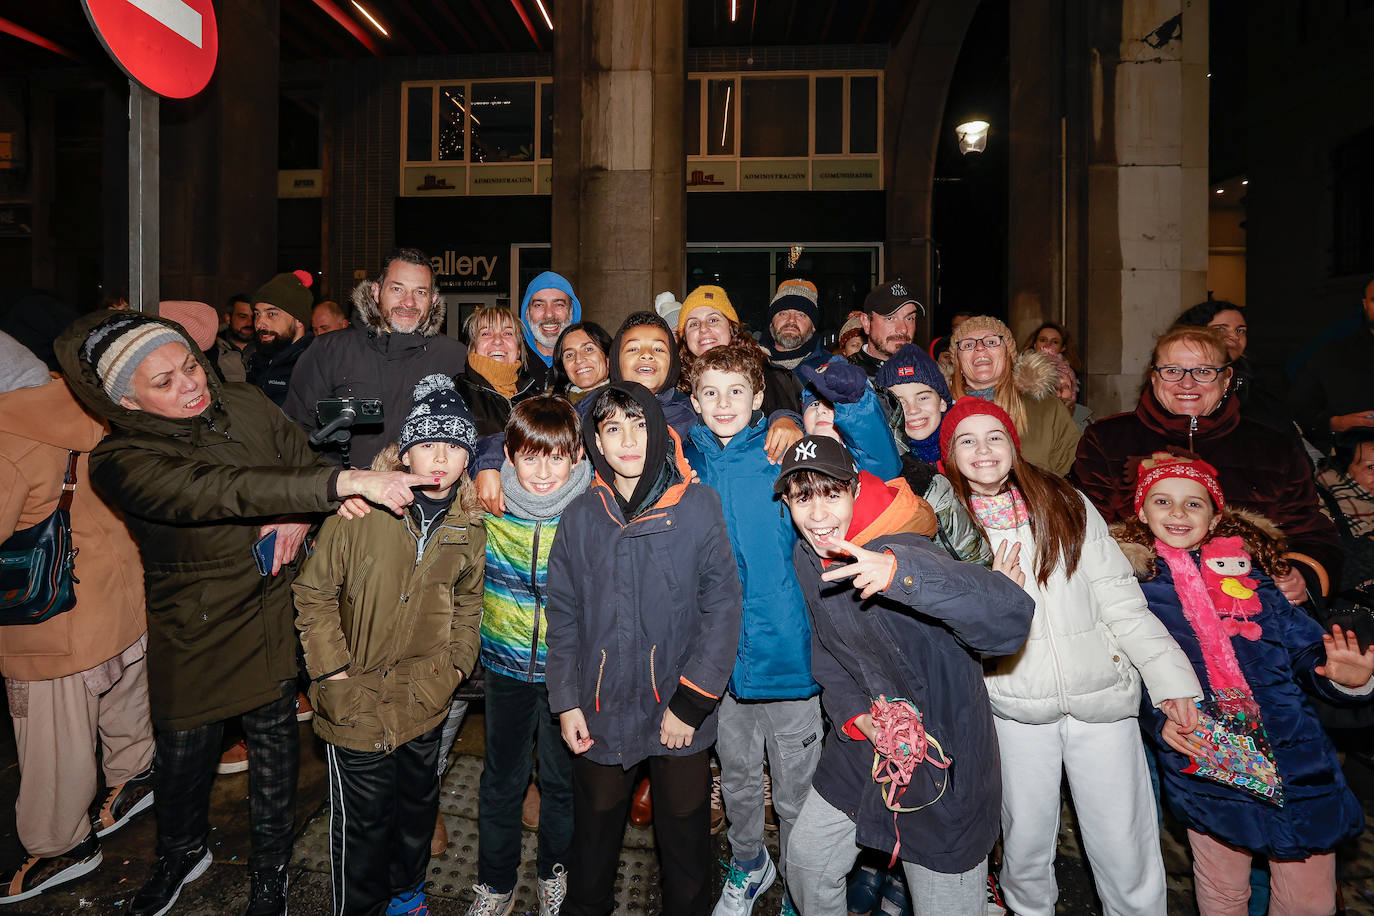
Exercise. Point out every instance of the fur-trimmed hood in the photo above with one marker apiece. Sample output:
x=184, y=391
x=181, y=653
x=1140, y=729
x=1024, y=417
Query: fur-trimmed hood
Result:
x=1263, y=539
x=1033, y=372
x=369, y=313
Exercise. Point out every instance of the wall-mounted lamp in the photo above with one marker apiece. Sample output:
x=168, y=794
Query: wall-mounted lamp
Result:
x=973, y=136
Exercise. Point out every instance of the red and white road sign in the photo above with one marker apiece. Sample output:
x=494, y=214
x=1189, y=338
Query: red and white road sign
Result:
x=169, y=46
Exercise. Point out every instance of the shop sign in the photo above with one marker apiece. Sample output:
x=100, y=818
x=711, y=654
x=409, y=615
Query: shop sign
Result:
x=712, y=175
x=299, y=182
x=501, y=179
x=773, y=175
x=472, y=269
x=435, y=181
x=846, y=175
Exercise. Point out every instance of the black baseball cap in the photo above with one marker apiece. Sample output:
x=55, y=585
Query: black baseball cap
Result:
x=887, y=298
x=817, y=453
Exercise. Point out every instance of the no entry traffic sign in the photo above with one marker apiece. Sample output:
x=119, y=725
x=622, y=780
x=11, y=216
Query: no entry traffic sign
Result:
x=169, y=46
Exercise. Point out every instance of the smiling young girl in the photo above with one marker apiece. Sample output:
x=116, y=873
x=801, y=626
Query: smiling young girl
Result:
x=1068, y=700
x=1249, y=643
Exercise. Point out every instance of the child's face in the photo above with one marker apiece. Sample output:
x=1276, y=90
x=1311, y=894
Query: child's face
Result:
x=819, y=420
x=623, y=440
x=921, y=409
x=437, y=459
x=645, y=356
x=983, y=452
x=1179, y=512
x=542, y=473
x=725, y=402
x=822, y=517
x=1361, y=469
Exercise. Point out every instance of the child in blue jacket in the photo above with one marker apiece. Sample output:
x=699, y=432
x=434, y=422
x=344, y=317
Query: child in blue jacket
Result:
x=771, y=707
x=644, y=611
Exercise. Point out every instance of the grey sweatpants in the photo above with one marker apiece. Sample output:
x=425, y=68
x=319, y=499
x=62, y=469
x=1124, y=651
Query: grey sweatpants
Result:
x=790, y=732
x=823, y=851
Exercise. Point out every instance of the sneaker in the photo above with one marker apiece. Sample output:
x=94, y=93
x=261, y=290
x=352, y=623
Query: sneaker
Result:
x=642, y=804
x=894, y=901
x=438, y=841
x=529, y=809
x=490, y=903
x=170, y=875
x=717, y=802
x=743, y=888
x=410, y=903
x=40, y=873
x=552, y=891
x=269, y=892
x=120, y=803
x=996, y=905
x=865, y=887
x=304, y=711
x=770, y=819
x=234, y=760
x=787, y=908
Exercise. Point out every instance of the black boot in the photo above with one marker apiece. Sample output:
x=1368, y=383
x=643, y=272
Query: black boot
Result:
x=170, y=875
x=269, y=892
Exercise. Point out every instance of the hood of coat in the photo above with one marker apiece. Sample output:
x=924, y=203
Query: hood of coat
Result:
x=663, y=446
x=50, y=414
x=85, y=384
x=1035, y=375
x=547, y=280
x=888, y=507
x=370, y=313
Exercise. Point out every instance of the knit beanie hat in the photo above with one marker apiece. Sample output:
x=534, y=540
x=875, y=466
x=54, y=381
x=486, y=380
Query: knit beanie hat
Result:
x=796, y=294
x=853, y=327
x=198, y=319
x=911, y=364
x=709, y=296
x=19, y=368
x=668, y=308
x=969, y=406
x=982, y=326
x=116, y=347
x=439, y=415
x=289, y=292
x=1163, y=465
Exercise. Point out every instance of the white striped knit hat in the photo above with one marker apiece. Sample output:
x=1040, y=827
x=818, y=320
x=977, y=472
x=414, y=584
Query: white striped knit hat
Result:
x=117, y=347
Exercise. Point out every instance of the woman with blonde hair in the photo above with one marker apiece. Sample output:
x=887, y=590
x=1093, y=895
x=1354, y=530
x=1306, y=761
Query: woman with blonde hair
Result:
x=495, y=378
x=986, y=365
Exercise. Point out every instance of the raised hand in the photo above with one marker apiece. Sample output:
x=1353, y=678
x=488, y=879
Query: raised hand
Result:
x=1007, y=561
x=782, y=435
x=1345, y=663
x=391, y=489
x=489, y=492
x=871, y=571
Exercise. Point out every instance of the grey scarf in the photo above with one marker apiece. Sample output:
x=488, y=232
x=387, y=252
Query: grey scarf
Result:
x=524, y=504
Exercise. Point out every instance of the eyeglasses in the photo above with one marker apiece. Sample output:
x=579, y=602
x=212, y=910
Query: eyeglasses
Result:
x=991, y=342
x=1203, y=375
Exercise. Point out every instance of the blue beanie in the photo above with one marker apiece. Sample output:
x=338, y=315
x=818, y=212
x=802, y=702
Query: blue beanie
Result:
x=548, y=280
x=912, y=364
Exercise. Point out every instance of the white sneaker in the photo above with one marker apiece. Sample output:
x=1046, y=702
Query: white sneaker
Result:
x=743, y=888
x=490, y=903
x=552, y=891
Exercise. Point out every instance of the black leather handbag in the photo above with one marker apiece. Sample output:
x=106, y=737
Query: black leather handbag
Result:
x=37, y=565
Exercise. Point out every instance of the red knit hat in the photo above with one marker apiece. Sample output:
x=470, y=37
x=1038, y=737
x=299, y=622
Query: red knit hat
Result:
x=969, y=406
x=1163, y=465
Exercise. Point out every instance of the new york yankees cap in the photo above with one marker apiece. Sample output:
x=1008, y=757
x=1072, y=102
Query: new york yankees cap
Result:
x=886, y=298
x=817, y=453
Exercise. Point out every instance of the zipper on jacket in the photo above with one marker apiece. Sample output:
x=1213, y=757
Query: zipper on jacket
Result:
x=601, y=669
x=538, y=602
x=653, y=679
x=1192, y=428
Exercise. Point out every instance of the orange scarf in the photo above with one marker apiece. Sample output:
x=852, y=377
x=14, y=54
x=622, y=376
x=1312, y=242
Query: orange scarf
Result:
x=501, y=376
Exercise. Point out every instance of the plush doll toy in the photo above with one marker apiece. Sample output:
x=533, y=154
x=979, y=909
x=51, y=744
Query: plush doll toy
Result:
x=1226, y=571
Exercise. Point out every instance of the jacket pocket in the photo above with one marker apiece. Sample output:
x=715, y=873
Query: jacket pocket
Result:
x=432, y=682
x=336, y=701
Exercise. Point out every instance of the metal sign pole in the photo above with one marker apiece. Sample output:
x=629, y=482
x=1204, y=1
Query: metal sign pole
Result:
x=144, y=205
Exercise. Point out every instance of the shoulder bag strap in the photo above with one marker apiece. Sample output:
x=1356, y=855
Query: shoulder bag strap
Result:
x=68, y=484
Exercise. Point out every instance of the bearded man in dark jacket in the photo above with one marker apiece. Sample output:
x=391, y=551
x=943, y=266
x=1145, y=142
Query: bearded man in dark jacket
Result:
x=395, y=342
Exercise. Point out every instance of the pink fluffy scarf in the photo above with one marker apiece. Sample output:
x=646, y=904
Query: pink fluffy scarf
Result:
x=1223, y=671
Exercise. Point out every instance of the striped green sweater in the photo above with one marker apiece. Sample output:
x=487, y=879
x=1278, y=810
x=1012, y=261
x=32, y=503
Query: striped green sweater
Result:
x=513, y=602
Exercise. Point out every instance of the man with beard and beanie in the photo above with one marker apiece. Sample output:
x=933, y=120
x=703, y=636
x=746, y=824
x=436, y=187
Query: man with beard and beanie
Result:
x=643, y=610
x=281, y=320
x=549, y=306
x=889, y=321
x=792, y=338
x=396, y=341
x=202, y=471
x=1334, y=393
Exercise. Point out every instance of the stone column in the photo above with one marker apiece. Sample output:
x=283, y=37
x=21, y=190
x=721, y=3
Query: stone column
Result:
x=1146, y=245
x=619, y=183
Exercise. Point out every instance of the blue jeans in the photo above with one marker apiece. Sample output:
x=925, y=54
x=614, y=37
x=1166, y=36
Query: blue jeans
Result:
x=519, y=726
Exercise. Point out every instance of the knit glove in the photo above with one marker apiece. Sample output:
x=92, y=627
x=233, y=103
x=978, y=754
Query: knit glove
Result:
x=838, y=381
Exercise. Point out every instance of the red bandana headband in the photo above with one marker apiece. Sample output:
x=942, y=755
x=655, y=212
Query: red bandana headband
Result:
x=1162, y=466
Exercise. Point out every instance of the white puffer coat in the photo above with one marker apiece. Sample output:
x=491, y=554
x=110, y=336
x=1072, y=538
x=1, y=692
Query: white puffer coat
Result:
x=1092, y=640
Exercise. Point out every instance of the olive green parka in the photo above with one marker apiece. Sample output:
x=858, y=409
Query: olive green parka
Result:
x=194, y=493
